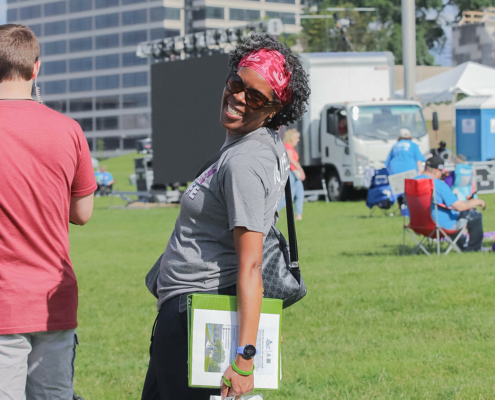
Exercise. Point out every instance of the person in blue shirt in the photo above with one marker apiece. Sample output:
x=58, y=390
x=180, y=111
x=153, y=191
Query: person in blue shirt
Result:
x=405, y=155
x=105, y=181
x=459, y=212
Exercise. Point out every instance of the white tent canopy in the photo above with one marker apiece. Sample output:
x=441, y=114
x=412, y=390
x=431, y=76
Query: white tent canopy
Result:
x=469, y=78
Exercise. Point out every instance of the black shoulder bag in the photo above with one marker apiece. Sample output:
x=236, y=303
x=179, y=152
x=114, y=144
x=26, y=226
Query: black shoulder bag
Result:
x=282, y=277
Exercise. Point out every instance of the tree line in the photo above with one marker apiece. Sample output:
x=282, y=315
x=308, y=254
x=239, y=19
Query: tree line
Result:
x=379, y=30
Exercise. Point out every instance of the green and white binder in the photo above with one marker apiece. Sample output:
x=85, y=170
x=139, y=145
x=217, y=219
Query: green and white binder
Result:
x=213, y=332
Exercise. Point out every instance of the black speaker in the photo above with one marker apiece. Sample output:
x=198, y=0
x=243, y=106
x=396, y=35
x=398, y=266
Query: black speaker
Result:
x=185, y=101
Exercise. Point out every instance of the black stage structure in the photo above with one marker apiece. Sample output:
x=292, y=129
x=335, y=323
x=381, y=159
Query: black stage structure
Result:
x=186, y=130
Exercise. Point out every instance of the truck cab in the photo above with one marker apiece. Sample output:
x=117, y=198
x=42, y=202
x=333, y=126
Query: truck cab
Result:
x=357, y=135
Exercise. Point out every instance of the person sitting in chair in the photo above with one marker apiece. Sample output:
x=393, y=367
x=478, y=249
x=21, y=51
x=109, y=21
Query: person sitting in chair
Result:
x=452, y=212
x=442, y=151
x=105, y=181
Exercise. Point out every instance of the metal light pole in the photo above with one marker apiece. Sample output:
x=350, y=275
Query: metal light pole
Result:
x=409, y=47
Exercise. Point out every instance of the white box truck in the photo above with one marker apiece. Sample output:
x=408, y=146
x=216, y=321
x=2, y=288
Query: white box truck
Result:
x=352, y=121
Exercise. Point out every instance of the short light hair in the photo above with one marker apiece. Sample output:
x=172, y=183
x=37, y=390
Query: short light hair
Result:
x=290, y=134
x=19, y=51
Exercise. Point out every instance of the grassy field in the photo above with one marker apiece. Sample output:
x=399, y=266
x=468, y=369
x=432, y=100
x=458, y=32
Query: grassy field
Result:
x=375, y=324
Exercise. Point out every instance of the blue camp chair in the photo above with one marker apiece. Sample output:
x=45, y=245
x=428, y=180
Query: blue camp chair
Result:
x=380, y=192
x=464, y=183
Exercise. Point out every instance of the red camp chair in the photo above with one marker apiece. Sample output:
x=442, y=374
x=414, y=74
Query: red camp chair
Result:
x=419, y=194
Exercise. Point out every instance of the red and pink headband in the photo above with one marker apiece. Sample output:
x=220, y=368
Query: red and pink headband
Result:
x=270, y=64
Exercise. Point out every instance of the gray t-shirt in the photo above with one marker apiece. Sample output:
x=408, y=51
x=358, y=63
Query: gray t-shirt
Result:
x=242, y=189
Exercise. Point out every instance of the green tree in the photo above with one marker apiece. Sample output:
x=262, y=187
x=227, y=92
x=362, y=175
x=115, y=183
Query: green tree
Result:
x=381, y=30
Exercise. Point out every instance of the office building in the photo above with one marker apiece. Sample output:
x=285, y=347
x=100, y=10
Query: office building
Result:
x=208, y=14
x=473, y=38
x=89, y=68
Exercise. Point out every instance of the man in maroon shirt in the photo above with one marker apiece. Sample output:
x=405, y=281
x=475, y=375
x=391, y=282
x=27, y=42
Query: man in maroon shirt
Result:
x=46, y=180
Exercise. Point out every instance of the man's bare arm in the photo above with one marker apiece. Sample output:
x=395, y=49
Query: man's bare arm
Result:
x=81, y=208
x=460, y=205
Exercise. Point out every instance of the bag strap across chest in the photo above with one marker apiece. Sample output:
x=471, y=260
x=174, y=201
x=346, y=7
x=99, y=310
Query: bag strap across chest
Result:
x=291, y=226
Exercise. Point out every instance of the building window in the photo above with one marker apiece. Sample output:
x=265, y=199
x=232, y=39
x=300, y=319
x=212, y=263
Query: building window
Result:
x=107, y=41
x=106, y=21
x=136, y=121
x=55, y=28
x=82, y=44
x=209, y=12
x=107, y=82
x=80, y=5
x=81, y=64
x=107, y=103
x=135, y=100
x=36, y=29
x=107, y=123
x=135, y=79
x=106, y=3
x=160, y=33
x=130, y=59
x=237, y=14
x=287, y=18
x=56, y=8
x=12, y=15
x=60, y=105
x=124, y=2
x=54, y=87
x=134, y=17
x=51, y=48
x=81, y=84
x=30, y=12
x=108, y=61
x=77, y=105
x=161, y=13
x=86, y=123
x=215, y=12
x=81, y=24
x=54, y=67
x=130, y=142
x=134, y=37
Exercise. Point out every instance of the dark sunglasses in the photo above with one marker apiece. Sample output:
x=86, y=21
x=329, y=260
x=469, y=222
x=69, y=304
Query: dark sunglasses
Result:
x=254, y=98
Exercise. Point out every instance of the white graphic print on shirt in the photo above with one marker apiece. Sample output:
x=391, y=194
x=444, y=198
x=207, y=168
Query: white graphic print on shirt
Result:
x=194, y=187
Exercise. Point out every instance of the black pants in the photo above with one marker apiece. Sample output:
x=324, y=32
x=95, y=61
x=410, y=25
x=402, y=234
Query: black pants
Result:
x=167, y=372
x=475, y=230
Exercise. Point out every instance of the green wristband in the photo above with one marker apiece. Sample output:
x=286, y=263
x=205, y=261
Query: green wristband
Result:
x=240, y=371
x=226, y=381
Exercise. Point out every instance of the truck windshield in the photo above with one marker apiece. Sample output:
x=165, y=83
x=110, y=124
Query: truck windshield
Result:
x=384, y=122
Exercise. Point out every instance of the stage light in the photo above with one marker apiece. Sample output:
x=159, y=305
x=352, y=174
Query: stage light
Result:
x=194, y=44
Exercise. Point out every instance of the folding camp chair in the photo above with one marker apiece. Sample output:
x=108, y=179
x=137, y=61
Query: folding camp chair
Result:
x=419, y=195
x=380, y=193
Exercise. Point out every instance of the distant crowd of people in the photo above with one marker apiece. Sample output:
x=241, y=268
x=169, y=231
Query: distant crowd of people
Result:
x=456, y=209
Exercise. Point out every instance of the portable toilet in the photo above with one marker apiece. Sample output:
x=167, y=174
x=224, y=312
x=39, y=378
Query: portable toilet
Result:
x=475, y=127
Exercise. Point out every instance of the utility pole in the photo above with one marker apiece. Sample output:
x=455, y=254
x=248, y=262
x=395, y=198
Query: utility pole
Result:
x=409, y=47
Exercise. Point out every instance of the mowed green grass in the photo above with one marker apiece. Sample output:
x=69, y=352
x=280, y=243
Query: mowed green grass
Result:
x=374, y=325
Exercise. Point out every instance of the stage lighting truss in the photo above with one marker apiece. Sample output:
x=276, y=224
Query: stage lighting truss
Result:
x=205, y=43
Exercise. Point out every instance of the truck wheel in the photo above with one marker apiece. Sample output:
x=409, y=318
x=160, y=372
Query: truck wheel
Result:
x=334, y=187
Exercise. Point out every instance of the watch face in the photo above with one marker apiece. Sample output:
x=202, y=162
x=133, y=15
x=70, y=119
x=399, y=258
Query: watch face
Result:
x=249, y=351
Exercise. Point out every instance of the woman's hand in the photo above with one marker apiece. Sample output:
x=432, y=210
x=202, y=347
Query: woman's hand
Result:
x=303, y=175
x=240, y=384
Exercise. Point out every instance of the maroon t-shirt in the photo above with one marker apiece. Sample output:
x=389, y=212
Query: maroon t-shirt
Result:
x=44, y=160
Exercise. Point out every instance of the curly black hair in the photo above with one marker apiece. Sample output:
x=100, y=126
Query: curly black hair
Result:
x=298, y=84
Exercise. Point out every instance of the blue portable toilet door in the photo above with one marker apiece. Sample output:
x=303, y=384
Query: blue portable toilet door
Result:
x=468, y=133
x=488, y=134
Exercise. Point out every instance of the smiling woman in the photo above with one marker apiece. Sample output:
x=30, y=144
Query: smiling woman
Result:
x=226, y=214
